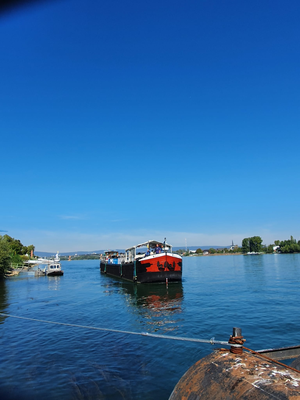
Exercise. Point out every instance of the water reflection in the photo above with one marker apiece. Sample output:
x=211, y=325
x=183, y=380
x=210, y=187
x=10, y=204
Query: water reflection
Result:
x=158, y=305
x=3, y=300
x=54, y=282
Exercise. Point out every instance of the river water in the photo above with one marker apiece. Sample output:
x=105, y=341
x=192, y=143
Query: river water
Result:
x=259, y=294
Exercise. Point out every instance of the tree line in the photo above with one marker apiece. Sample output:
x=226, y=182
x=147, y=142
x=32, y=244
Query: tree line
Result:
x=253, y=244
x=223, y=250
x=81, y=257
x=288, y=246
x=12, y=251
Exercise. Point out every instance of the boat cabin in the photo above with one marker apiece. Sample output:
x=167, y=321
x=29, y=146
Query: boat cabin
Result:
x=146, y=248
x=114, y=257
x=54, y=267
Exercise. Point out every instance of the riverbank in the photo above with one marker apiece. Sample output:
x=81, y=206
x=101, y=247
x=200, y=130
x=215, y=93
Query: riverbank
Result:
x=215, y=254
x=14, y=271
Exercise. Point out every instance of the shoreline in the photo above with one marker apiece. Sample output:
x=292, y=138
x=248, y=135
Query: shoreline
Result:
x=216, y=254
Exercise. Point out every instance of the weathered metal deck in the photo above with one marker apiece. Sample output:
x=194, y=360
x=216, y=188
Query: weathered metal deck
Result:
x=223, y=375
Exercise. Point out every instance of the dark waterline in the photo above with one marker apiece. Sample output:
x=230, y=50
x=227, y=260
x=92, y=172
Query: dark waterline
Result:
x=257, y=293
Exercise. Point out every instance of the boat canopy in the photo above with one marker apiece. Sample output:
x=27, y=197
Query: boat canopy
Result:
x=151, y=244
x=111, y=253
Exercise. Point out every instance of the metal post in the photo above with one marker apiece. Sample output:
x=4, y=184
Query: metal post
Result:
x=238, y=339
x=236, y=332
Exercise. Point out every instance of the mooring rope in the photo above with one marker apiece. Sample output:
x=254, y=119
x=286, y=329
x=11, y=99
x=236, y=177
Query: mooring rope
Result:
x=211, y=341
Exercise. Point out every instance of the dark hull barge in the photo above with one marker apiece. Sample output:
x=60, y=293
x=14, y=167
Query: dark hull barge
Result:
x=158, y=264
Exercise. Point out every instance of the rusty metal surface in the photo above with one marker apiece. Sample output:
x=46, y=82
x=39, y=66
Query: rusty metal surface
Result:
x=223, y=376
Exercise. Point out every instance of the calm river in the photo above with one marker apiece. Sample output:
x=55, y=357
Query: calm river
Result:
x=259, y=294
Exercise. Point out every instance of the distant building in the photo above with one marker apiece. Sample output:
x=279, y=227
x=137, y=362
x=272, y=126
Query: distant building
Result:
x=233, y=247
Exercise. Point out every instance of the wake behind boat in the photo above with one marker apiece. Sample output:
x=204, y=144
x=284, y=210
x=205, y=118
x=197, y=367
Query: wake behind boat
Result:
x=155, y=262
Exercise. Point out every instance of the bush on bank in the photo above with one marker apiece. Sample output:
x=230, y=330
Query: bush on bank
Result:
x=12, y=251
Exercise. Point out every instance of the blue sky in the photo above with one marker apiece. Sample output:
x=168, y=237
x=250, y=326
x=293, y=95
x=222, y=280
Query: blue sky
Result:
x=123, y=121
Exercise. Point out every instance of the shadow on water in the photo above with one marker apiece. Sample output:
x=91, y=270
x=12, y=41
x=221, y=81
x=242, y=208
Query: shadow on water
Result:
x=106, y=385
x=154, y=295
x=145, y=294
x=3, y=300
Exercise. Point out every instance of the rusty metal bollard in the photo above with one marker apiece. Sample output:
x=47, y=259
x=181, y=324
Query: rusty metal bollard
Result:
x=237, y=338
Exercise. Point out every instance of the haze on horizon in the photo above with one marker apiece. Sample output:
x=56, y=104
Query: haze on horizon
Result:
x=128, y=121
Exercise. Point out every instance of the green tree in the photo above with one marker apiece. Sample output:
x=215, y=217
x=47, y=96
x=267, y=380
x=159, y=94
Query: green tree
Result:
x=289, y=246
x=4, y=255
x=212, y=251
x=245, y=245
x=29, y=249
x=255, y=243
x=16, y=249
x=199, y=251
x=180, y=251
x=25, y=250
x=269, y=249
x=14, y=244
x=293, y=241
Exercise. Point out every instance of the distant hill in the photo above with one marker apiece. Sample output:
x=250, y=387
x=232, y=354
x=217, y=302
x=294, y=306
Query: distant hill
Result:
x=72, y=253
x=201, y=247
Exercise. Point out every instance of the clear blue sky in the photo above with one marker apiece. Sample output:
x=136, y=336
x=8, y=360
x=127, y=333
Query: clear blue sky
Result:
x=123, y=121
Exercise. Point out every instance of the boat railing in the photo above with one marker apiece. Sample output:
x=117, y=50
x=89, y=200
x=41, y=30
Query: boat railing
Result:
x=115, y=260
x=131, y=258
